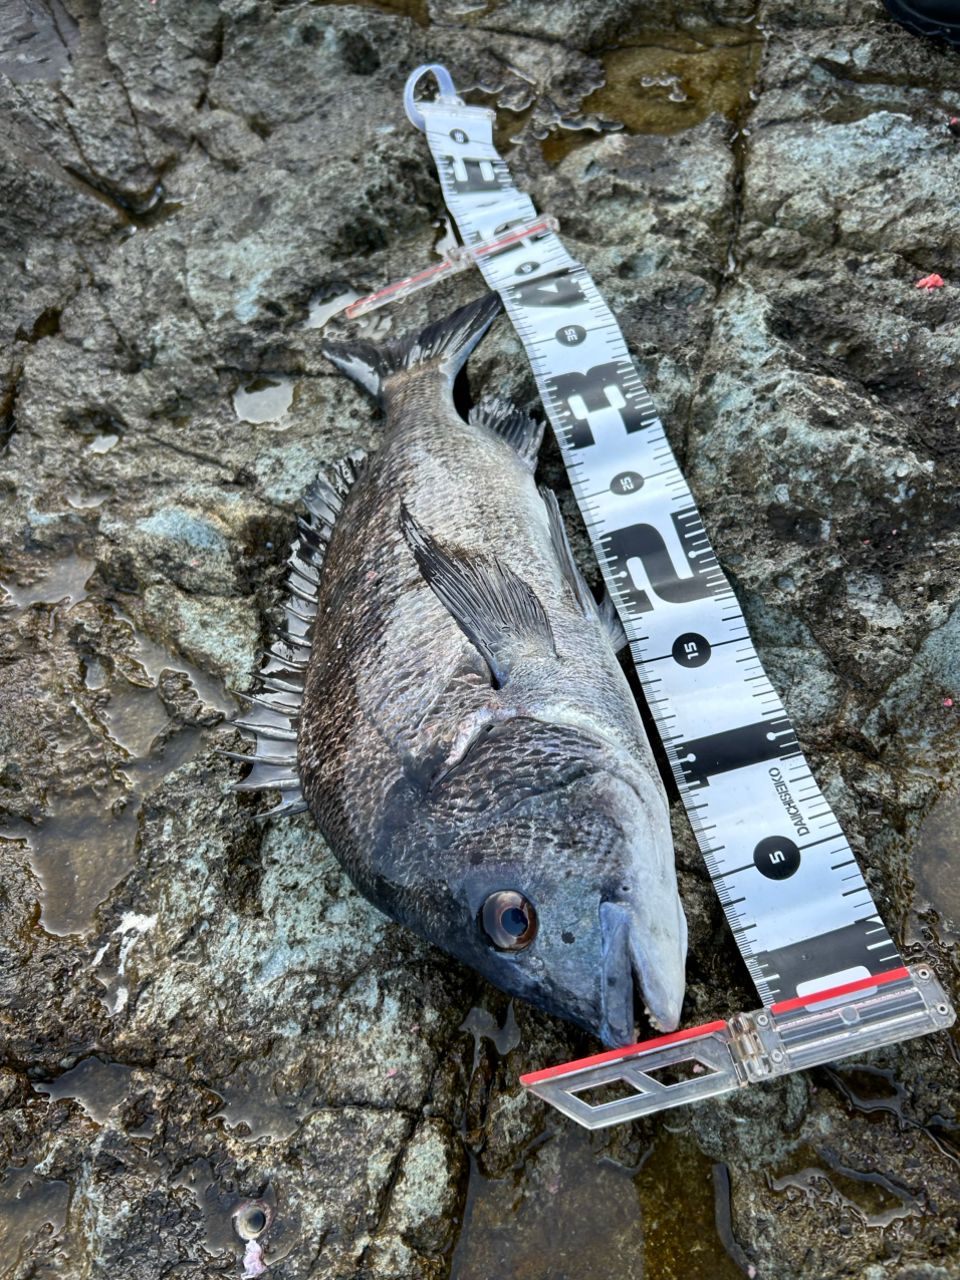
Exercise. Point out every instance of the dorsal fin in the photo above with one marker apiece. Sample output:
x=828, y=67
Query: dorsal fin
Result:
x=494, y=608
x=274, y=710
x=445, y=344
x=517, y=427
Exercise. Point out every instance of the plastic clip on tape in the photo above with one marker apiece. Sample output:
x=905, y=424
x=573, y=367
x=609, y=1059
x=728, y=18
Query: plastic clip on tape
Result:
x=827, y=970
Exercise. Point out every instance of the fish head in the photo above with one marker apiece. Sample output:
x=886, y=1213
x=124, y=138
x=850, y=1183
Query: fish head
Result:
x=560, y=877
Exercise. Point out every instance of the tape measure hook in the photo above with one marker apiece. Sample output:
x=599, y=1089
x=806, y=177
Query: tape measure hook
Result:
x=445, y=85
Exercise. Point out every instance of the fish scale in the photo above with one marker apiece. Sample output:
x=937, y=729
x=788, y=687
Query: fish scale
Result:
x=828, y=973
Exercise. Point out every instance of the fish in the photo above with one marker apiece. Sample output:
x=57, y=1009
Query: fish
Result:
x=445, y=698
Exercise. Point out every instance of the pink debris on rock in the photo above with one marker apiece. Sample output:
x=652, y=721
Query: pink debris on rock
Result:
x=948, y=702
x=931, y=282
x=253, y=1264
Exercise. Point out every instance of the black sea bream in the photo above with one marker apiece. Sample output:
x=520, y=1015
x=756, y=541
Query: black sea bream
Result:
x=449, y=705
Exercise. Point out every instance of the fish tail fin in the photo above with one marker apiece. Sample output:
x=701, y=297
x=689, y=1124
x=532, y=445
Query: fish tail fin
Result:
x=445, y=344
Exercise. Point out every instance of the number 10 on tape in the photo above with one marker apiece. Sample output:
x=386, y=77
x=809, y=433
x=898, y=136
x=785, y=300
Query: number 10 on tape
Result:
x=829, y=976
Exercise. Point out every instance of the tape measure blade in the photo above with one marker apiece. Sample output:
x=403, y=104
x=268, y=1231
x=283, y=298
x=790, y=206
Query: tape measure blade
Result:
x=785, y=875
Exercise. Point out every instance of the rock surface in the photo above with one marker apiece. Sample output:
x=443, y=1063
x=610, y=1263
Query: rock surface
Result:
x=214, y=1056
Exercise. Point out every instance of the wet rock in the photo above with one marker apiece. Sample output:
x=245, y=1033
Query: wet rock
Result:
x=202, y=1020
x=423, y=1214
x=179, y=545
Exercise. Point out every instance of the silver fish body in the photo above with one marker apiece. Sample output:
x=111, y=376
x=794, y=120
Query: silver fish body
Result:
x=466, y=739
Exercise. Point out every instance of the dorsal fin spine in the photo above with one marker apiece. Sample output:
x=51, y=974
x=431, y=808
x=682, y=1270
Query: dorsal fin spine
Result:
x=274, y=712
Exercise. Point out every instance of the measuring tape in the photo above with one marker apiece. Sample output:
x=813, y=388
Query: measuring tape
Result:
x=828, y=972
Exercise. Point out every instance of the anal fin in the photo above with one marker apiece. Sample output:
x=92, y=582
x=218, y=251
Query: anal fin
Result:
x=523, y=432
x=564, y=553
x=610, y=621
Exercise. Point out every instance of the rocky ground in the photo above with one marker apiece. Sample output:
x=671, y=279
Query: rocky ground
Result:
x=204, y=1033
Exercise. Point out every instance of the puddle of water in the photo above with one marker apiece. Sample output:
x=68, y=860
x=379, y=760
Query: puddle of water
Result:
x=571, y=1211
x=876, y=1092
x=568, y=1215
x=324, y=309
x=102, y=442
x=154, y=659
x=936, y=863
x=65, y=580
x=254, y=1098
x=134, y=717
x=870, y=1090
x=945, y=1136
x=679, y=1203
x=98, y=1086
x=263, y=400
x=872, y=1199
x=233, y=1220
x=667, y=80
x=30, y=1206
x=483, y=1025
x=88, y=841
x=87, y=501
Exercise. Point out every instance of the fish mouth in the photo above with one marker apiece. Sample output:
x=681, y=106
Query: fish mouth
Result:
x=627, y=962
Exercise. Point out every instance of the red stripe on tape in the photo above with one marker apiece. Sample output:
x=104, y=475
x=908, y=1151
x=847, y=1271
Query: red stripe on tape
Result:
x=846, y=988
x=615, y=1055
x=397, y=284
x=490, y=245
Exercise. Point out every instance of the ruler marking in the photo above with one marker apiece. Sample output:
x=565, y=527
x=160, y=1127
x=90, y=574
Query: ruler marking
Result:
x=747, y=866
x=662, y=656
x=823, y=840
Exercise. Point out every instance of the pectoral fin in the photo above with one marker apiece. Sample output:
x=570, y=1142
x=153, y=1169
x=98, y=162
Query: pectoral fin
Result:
x=494, y=608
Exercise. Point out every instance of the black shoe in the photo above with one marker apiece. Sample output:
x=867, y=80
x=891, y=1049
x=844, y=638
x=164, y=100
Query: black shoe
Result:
x=928, y=17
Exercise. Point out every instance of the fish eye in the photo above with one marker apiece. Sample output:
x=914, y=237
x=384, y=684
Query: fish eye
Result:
x=509, y=920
